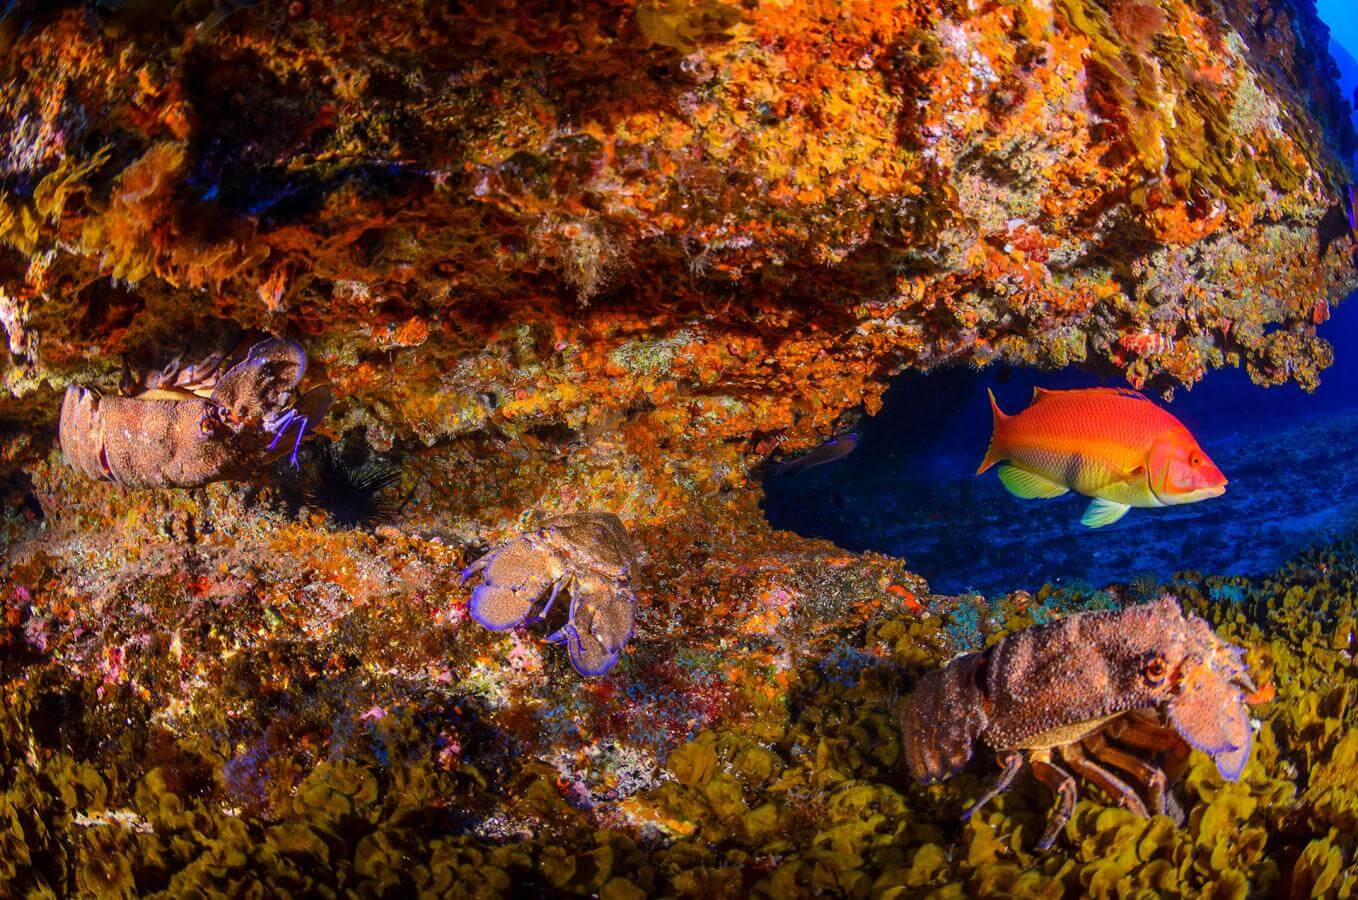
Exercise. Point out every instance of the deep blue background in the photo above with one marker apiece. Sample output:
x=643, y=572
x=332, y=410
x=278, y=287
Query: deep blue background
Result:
x=1342, y=17
x=909, y=490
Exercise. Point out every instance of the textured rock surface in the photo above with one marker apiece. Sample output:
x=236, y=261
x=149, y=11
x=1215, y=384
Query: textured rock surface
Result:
x=609, y=258
x=697, y=208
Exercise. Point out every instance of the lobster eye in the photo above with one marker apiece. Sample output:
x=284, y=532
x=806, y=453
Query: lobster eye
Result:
x=1154, y=670
x=212, y=420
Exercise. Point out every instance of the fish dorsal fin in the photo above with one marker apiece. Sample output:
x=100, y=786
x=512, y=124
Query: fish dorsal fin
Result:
x=1029, y=486
x=1103, y=512
x=1120, y=392
x=1044, y=393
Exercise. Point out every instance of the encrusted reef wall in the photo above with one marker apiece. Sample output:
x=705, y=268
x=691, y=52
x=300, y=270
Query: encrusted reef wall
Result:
x=602, y=255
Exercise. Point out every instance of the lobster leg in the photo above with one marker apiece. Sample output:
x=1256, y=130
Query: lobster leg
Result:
x=1115, y=787
x=1062, y=784
x=290, y=418
x=547, y=607
x=1152, y=778
x=1013, y=763
x=1143, y=731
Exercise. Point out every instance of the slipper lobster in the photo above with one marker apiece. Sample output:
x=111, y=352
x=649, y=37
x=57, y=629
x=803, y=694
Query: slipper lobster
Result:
x=222, y=419
x=1100, y=692
x=587, y=554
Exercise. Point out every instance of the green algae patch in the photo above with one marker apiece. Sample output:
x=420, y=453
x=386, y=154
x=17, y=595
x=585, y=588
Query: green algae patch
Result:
x=652, y=357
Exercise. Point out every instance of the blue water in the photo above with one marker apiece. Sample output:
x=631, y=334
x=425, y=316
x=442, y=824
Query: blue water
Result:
x=908, y=490
x=1342, y=18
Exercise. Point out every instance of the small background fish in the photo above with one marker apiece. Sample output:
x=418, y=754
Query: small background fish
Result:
x=837, y=447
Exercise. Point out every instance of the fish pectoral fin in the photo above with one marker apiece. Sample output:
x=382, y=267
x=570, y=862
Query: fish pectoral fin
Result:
x=1025, y=484
x=1103, y=512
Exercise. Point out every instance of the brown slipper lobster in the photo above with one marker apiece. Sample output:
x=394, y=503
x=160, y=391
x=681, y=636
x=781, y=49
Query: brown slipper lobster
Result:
x=1097, y=694
x=587, y=554
x=222, y=419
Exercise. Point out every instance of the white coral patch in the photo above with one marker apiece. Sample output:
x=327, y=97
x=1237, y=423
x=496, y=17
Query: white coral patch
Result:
x=957, y=39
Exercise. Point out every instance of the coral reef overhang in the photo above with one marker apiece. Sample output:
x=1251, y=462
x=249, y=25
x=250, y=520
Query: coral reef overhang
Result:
x=611, y=257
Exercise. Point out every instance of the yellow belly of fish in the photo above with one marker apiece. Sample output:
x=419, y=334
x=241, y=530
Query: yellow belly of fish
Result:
x=1136, y=493
x=1093, y=478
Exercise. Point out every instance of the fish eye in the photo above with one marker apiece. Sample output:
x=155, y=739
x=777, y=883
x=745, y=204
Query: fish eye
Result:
x=1153, y=670
x=1195, y=460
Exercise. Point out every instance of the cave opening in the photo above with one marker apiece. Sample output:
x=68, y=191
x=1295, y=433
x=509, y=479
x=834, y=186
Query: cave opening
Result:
x=909, y=488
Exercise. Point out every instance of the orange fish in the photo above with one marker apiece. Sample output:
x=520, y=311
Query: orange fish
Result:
x=1110, y=444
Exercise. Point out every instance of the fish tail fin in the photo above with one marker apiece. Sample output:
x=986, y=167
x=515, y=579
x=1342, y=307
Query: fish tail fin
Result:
x=997, y=450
